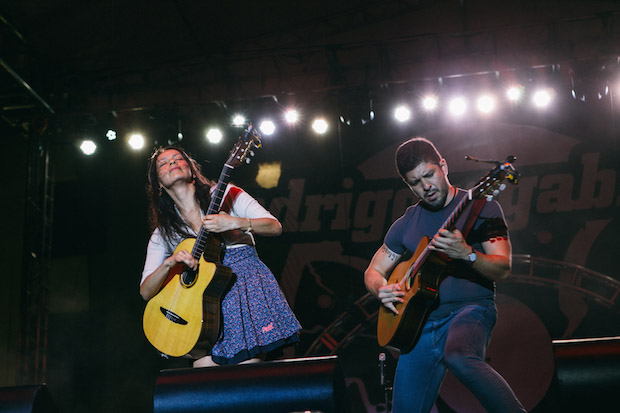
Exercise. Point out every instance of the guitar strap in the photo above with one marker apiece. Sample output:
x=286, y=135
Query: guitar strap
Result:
x=473, y=215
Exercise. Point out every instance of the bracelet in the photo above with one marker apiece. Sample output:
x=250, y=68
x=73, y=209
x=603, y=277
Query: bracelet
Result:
x=249, y=230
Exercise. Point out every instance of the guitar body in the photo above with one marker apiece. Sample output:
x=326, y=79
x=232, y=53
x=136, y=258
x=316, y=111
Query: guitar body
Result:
x=421, y=288
x=183, y=314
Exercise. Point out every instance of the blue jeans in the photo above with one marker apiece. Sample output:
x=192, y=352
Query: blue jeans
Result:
x=457, y=342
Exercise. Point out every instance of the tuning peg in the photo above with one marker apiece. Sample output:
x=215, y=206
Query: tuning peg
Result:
x=496, y=192
x=489, y=198
x=251, y=153
x=247, y=160
x=502, y=187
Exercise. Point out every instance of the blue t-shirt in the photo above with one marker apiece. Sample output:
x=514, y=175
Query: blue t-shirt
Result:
x=462, y=285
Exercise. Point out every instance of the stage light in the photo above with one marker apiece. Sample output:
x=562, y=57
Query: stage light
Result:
x=485, y=103
x=319, y=126
x=542, y=98
x=214, y=135
x=110, y=134
x=457, y=106
x=514, y=93
x=136, y=141
x=291, y=116
x=267, y=127
x=238, y=120
x=430, y=103
x=88, y=147
x=402, y=113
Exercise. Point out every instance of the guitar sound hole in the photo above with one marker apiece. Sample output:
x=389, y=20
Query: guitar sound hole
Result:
x=172, y=316
x=188, y=278
x=409, y=283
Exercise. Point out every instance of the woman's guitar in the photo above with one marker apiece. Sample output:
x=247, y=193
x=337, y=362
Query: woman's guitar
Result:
x=185, y=314
x=420, y=276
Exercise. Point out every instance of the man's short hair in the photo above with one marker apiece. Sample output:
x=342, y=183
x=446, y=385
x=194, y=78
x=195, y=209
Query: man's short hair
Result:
x=413, y=152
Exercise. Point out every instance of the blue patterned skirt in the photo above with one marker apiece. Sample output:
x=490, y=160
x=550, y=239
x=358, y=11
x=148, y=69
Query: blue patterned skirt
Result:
x=256, y=316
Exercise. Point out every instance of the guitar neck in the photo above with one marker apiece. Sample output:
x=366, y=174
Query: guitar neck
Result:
x=448, y=224
x=214, y=207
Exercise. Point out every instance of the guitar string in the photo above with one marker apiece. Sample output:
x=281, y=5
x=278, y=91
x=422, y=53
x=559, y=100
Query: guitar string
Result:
x=448, y=223
x=451, y=220
x=201, y=239
x=175, y=298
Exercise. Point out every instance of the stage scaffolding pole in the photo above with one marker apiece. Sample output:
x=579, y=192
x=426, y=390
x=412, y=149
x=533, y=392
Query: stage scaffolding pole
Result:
x=37, y=258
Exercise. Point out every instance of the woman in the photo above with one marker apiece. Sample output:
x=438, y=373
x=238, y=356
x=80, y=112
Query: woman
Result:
x=256, y=316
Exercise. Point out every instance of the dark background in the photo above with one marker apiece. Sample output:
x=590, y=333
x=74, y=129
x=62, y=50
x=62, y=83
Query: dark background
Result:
x=73, y=70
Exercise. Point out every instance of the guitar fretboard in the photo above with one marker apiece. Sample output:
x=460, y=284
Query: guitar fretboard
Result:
x=448, y=224
x=214, y=207
x=456, y=213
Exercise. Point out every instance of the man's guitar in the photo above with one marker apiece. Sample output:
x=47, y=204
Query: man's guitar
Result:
x=185, y=314
x=420, y=276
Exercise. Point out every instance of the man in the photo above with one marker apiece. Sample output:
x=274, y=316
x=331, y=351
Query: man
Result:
x=458, y=329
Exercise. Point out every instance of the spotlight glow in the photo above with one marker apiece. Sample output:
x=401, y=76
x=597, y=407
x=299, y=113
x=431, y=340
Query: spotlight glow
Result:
x=457, y=106
x=88, y=147
x=214, y=135
x=514, y=93
x=267, y=127
x=402, y=113
x=542, y=98
x=485, y=103
x=319, y=126
x=291, y=116
x=136, y=141
x=238, y=120
x=430, y=103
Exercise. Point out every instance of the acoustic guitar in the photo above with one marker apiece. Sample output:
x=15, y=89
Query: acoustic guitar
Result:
x=184, y=316
x=420, y=276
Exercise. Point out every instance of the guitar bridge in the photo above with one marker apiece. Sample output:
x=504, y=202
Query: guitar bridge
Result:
x=172, y=316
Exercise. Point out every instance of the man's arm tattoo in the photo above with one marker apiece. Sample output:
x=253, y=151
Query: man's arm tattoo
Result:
x=391, y=255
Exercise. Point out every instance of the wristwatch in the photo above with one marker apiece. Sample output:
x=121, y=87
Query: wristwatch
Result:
x=472, y=256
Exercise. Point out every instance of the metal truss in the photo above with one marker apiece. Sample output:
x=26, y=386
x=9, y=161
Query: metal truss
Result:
x=37, y=260
x=362, y=314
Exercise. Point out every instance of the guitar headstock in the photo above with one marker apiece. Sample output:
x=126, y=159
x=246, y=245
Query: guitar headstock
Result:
x=242, y=151
x=493, y=182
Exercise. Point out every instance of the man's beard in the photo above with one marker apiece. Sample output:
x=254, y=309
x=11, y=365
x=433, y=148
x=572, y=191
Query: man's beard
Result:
x=439, y=202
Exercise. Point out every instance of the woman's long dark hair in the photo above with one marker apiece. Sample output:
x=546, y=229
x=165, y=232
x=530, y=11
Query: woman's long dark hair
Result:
x=162, y=213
